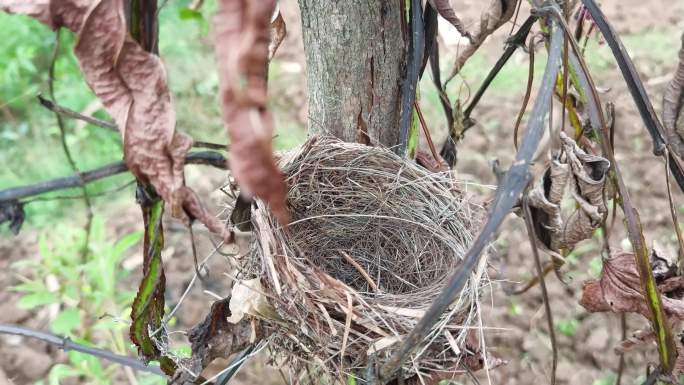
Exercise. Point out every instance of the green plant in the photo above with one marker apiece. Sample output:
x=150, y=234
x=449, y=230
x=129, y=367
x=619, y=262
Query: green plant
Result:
x=568, y=327
x=91, y=306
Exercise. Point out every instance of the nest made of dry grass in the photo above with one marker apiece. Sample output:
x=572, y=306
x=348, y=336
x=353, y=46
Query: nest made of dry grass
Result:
x=373, y=239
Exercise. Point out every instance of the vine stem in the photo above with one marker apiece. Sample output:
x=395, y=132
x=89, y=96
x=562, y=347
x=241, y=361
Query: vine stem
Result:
x=66, y=344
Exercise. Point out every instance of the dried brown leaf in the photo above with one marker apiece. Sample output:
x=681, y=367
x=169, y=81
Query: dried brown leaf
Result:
x=131, y=83
x=444, y=9
x=585, y=175
x=497, y=14
x=429, y=162
x=242, y=39
x=213, y=338
x=619, y=290
x=278, y=33
x=672, y=106
x=638, y=339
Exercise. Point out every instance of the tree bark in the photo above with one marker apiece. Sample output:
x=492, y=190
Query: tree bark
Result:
x=355, y=54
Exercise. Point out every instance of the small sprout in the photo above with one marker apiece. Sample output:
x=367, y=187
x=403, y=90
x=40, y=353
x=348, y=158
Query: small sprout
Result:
x=568, y=327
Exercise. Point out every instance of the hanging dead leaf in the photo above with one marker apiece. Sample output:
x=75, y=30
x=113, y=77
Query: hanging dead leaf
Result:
x=215, y=337
x=242, y=38
x=444, y=9
x=131, y=83
x=497, y=14
x=278, y=33
x=584, y=175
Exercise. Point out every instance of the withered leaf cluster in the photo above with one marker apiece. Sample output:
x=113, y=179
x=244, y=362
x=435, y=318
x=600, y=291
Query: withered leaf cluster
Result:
x=131, y=84
x=580, y=175
x=619, y=290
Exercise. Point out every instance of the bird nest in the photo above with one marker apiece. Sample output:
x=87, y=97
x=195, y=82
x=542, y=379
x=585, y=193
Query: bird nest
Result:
x=373, y=239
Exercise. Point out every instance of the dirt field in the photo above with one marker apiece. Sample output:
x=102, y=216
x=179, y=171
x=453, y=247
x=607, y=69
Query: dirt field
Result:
x=515, y=326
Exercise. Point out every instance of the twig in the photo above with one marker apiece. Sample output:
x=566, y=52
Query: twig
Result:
x=621, y=363
x=60, y=110
x=67, y=197
x=66, y=344
x=513, y=43
x=69, y=113
x=67, y=152
x=361, y=271
x=210, y=145
x=528, y=93
x=542, y=285
x=426, y=131
x=209, y=158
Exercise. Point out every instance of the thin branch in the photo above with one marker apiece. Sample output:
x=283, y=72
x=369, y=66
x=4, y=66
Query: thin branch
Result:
x=621, y=362
x=66, y=344
x=426, y=131
x=69, y=113
x=67, y=151
x=63, y=111
x=209, y=158
x=68, y=197
x=542, y=285
x=513, y=43
x=528, y=93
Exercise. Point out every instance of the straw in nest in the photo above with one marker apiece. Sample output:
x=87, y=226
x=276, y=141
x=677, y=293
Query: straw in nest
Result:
x=373, y=239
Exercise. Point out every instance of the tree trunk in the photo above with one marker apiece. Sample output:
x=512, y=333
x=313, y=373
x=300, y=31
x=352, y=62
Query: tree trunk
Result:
x=355, y=53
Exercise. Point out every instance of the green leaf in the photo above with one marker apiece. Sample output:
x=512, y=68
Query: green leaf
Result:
x=37, y=299
x=125, y=243
x=568, y=327
x=190, y=14
x=86, y=363
x=59, y=372
x=66, y=321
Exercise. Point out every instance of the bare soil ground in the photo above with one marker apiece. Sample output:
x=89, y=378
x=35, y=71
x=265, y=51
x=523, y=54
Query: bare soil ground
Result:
x=515, y=326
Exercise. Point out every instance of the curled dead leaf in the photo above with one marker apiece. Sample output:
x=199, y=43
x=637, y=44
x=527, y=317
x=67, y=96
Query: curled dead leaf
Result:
x=131, y=84
x=278, y=33
x=444, y=9
x=584, y=175
x=497, y=14
x=242, y=37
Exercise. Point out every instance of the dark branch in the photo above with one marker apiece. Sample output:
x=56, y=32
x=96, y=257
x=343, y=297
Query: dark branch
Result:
x=209, y=158
x=66, y=344
x=507, y=195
